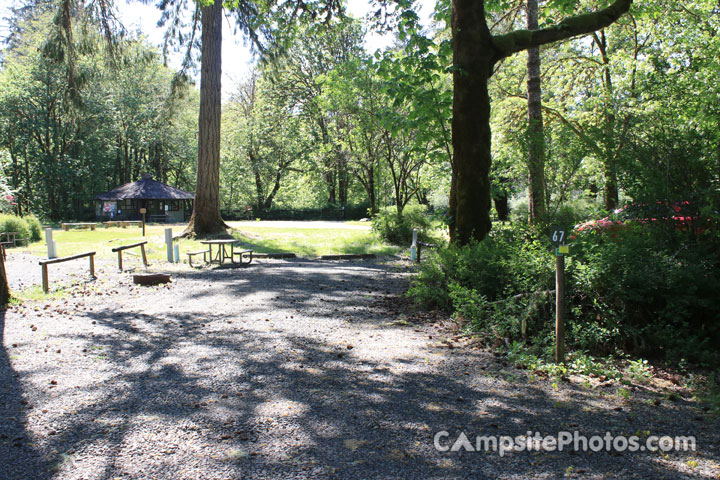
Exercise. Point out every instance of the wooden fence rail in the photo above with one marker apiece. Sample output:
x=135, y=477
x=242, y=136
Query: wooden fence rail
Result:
x=44, y=264
x=120, y=249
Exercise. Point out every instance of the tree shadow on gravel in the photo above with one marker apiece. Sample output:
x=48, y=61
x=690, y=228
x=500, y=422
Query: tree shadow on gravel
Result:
x=300, y=285
x=17, y=454
x=217, y=393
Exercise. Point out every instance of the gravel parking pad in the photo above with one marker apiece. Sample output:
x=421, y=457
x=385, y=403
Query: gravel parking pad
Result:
x=291, y=370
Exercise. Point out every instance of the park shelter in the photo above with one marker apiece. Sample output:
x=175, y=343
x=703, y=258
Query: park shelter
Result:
x=162, y=202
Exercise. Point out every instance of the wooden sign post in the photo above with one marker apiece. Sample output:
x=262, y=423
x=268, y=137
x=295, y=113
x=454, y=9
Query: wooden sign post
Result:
x=559, y=308
x=558, y=235
x=143, y=211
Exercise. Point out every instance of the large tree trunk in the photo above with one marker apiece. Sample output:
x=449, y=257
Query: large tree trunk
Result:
x=205, y=218
x=472, y=60
x=535, y=130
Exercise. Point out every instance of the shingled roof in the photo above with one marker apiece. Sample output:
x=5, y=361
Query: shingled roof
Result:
x=146, y=189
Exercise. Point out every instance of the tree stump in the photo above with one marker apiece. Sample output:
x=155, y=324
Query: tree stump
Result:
x=151, y=278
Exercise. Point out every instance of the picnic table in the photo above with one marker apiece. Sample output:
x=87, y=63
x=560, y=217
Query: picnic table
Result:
x=222, y=251
x=9, y=239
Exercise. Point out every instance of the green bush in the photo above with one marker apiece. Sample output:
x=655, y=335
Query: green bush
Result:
x=34, y=226
x=647, y=291
x=500, y=285
x=397, y=229
x=11, y=223
x=650, y=291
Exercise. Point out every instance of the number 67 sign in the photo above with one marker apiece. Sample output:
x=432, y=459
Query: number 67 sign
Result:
x=558, y=235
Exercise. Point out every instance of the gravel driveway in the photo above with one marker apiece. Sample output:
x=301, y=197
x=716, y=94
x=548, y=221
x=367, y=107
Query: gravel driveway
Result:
x=292, y=370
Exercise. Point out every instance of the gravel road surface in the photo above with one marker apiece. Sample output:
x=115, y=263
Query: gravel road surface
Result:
x=292, y=370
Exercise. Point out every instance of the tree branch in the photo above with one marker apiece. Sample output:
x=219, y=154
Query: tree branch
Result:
x=520, y=40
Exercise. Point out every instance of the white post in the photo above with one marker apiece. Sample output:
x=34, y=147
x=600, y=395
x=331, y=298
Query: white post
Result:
x=50, y=243
x=413, y=247
x=169, y=244
x=177, y=253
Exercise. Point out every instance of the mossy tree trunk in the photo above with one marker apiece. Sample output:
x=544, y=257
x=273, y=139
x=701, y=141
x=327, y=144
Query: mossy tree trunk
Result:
x=475, y=53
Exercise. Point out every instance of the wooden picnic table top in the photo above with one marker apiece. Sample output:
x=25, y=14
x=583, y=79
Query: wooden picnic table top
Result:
x=220, y=241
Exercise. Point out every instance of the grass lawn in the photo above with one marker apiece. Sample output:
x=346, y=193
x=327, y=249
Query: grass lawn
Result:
x=305, y=242
x=309, y=242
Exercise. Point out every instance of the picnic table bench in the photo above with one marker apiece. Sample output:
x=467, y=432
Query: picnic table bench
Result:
x=68, y=226
x=122, y=223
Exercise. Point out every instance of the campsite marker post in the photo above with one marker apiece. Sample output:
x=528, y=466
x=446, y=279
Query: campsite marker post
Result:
x=51, y=247
x=557, y=236
x=169, y=244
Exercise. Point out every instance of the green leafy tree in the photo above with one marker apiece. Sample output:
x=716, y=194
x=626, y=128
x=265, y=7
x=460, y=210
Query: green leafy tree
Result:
x=265, y=140
x=316, y=51
x=475, y=53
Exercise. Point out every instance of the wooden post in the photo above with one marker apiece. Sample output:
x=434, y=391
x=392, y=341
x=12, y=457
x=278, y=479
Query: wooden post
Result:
x=142, y=250
x=120, y=260
x=4, y=287
x=143, y=211
x=92, y=265
x=45, y=280
x=559, y=308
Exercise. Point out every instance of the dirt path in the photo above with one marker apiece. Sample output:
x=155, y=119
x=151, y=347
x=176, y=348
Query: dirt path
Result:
x=290, y=370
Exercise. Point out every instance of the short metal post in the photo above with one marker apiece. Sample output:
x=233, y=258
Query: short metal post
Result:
x=414, y=247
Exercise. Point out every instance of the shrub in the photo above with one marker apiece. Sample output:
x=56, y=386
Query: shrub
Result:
x=397, y=229
x=11, y=223
x=500, y=285
x=650, y=291
x=34, y=226
x=647, y=291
